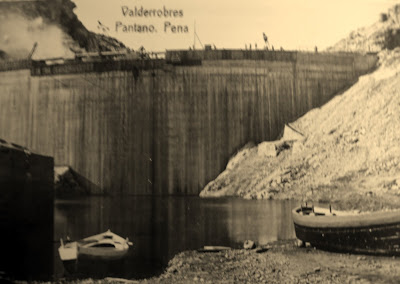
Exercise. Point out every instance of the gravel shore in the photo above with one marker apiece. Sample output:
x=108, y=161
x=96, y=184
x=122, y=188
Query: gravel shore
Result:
x=283, y=262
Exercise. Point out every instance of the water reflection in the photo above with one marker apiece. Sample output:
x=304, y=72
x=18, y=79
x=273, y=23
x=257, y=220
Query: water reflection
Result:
x=160, y=227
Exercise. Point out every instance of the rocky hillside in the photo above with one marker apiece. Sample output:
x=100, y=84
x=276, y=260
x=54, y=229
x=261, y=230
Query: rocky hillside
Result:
x=349, y=154
x=384, y=34
x=52, y=24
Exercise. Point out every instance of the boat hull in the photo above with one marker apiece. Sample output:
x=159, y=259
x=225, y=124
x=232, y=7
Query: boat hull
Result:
x=104, y=246
x=366, y=234
x=68, y=252
x=104, y=253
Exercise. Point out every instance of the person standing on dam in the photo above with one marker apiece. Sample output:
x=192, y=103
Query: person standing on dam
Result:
x=265, y=40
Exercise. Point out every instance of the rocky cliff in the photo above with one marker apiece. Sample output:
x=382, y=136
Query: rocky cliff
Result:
x=52, y=24
x=383, y=34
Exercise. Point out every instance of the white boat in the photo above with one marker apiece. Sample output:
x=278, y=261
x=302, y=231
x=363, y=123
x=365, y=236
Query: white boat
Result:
x=106, y=245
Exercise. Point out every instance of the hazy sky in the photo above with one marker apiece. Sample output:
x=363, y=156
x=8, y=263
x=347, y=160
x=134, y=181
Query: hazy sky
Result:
x=292, y=24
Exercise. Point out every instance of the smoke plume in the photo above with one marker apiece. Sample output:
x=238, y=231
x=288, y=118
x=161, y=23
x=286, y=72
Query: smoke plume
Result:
x=18, y=35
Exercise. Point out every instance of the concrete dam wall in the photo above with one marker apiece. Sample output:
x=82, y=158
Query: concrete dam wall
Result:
x=169, y=129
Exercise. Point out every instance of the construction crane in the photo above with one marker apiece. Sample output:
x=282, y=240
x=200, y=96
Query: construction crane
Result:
x=32, y=50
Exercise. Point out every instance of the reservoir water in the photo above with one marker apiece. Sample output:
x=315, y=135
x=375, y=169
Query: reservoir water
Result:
x=161, y=227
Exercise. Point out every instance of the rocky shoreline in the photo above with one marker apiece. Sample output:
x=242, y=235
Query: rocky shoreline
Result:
x=282, y=262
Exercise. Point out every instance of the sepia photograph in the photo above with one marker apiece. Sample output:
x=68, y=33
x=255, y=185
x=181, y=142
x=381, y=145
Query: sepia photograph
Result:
x=188, y=141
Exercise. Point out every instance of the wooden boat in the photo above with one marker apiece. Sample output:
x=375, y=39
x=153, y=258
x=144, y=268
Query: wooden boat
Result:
x=367, y=233
x=106, y=245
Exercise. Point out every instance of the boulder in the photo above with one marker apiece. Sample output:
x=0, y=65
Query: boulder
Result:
x=297, y=147
x=248, y=244
x=66, y=184
x=266, y=149
x=292, y=134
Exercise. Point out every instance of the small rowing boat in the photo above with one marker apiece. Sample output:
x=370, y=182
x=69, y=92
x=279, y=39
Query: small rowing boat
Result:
x=368, y=233
x=107, y=245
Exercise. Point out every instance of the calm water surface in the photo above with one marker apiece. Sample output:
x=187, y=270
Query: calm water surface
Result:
x=161, y=227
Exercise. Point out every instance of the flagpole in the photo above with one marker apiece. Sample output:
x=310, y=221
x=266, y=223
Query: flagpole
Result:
x=194, y=35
